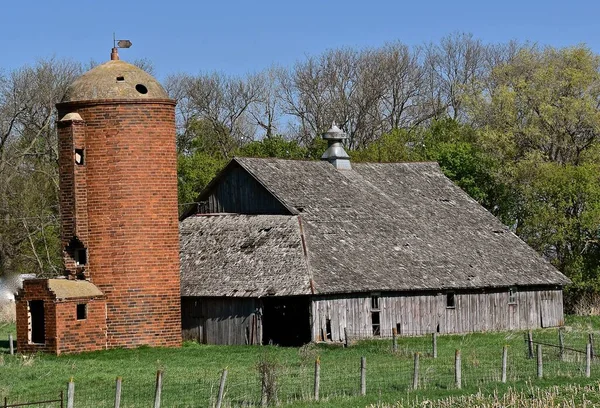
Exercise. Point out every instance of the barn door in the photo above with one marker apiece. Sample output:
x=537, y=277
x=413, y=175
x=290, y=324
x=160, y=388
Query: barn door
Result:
x=547, y=310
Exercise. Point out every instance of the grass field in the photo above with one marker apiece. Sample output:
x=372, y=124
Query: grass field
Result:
x=191, y=374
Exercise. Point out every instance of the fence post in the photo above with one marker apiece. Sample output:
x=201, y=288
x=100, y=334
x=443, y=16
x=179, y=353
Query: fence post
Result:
x=118, y=392
x=434, y=344
x=529, y=344
x=70, y=393
x=363, y=376
x=591, y=341
x=540, y=364
x=158, y=391
x=10, y=344
x=345, y=337
x=504, y=362
x=62, y=398
x=457, y=370
x=317, y=377
x=222, y=388
x=561, y=344
x=588, y=360
x=416, y=372
x=394, y=340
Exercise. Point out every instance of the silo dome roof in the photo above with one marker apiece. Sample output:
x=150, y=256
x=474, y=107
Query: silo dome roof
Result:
x=114, y=79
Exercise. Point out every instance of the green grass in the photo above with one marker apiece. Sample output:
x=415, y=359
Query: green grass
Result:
x=192, y=373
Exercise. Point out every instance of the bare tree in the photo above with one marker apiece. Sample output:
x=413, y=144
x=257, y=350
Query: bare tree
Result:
x=453, y=69
x=28, y=171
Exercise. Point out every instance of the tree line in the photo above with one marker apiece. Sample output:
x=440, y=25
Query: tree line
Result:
x=515, y=125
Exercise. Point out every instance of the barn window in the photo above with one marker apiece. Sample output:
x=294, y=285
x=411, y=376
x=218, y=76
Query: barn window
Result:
x=81, y=256
x=450, y=300
x=374, y=302
x=328, y=335
x=79, y=157
x=81, y=311
x=375, y=319
x=512, y=296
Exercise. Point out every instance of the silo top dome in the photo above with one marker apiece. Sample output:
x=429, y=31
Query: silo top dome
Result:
x=114, y=79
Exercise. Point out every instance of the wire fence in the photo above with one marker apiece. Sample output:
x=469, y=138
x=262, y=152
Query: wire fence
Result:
x=412, y=365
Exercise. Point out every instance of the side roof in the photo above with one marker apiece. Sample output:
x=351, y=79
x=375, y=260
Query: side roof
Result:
x=243, y=256
x=396, y=226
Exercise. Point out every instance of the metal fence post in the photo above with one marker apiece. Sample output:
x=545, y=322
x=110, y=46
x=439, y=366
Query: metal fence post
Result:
x=540, y=364
x=222, y=388
x=10, y=344
x=394, y=340
x=118, y=392
x=434, y=344
x=458, y=370
x=70, y=393
x=588, y=360
x=561, y=344
x=158, y=391
x=529, y=344
x=317, y=378
x=363, y=376
x=504, y=362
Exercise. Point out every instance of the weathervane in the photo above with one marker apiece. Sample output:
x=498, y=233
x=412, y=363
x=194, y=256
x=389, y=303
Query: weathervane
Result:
x=114, y=55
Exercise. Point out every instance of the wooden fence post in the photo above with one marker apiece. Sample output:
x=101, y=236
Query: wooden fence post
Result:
x=363, y=376
x=158, y=391
x=317, y=378
x=394, y=340
x=346, y=337
x=588, y=360
x=416, y=372
x=591, y=341
x=118, y=392
x=529, y=344
x=70, y=393
x=10, y=344
x=457, y=370
x=561, y=344
x=434, y=344
x=504, y=362
x=221, y=388
x=540, y=364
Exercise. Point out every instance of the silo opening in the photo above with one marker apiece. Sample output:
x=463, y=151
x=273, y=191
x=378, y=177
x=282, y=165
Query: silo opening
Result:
x=141, y=89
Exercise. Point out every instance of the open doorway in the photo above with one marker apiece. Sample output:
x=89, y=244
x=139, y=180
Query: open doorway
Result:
x=37, y=325
x=286, y=321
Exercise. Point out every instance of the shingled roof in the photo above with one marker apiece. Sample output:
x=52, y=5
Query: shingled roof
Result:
x=242, y=255
x=377, y=227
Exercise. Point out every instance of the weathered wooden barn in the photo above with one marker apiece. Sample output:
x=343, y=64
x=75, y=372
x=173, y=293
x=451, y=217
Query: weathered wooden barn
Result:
x=290, y=251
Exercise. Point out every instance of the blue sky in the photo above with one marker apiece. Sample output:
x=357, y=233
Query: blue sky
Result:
x=237, y=37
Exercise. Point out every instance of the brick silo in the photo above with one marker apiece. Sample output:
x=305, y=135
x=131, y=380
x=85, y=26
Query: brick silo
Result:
x=118, y=179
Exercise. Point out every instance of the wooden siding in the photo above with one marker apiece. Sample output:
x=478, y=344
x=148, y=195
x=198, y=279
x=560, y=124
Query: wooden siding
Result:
x=239, y=193
x=221, y=320
x=421, y=314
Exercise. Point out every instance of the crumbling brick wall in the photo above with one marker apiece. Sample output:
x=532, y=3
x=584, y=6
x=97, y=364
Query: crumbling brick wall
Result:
x=131, y=214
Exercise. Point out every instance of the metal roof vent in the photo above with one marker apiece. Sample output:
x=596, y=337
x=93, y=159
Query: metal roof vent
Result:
x=335, y=153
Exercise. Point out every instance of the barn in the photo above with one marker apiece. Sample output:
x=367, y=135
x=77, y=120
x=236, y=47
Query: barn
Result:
x=288, y=252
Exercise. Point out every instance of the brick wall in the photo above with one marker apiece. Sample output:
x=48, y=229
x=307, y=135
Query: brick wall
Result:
x=73, y=335
x=64, y=333
x=35, y=290
x=131, y=213
x=73, y=192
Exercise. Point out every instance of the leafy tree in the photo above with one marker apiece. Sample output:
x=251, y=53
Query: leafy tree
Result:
x=275, y=146
x=560, y=207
